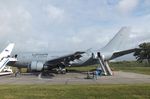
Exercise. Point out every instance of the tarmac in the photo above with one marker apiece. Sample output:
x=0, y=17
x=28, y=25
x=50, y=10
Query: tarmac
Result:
x=118, y=77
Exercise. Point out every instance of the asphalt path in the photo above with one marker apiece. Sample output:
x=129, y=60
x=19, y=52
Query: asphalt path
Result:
x=118, y=77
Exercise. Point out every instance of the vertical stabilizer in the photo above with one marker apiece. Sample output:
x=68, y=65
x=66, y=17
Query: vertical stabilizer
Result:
x=7, y=51
x=120, y=41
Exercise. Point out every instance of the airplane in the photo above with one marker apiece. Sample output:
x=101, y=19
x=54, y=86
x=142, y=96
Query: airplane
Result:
x=43, y=61
x=5, y=58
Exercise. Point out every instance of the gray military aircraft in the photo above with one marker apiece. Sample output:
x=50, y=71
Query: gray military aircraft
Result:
x=43, y=61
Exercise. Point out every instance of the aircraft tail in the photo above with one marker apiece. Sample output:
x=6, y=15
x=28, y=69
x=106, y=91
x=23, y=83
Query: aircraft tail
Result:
x=120, y=41
x=7, y=51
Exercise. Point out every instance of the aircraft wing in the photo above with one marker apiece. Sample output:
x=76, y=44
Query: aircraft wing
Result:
x=64, y=60
x=124, y=52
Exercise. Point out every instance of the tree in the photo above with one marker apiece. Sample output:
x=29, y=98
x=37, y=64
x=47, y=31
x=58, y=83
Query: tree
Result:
x=143, y=53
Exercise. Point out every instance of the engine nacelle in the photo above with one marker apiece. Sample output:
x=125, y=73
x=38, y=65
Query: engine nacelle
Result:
x=36, y=66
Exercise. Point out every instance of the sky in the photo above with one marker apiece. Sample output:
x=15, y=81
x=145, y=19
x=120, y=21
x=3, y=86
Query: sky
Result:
x=70, y=25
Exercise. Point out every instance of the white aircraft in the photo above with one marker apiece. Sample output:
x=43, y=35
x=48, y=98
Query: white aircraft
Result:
x=119, y=45
x=5, y=58
x=41, y=62
x=116, y=47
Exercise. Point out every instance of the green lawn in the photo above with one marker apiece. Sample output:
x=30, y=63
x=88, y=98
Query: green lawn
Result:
x=75, y=91
x=83, y=68
x=131, y=67
x=120, y=66
x=99, y=91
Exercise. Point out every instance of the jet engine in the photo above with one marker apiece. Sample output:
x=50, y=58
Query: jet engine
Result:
x=36, y=66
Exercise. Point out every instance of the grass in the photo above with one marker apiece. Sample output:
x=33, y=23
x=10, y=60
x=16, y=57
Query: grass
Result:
x=104, y=91
x=83, y=68
x=131, y=67
x=120, y=66
x=75, y=91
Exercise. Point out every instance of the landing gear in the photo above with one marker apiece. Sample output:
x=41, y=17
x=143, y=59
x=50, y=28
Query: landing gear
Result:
x=18, y=72
x=61, y=70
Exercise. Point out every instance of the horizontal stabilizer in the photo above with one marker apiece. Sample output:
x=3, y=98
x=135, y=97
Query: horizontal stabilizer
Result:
x=124, y=52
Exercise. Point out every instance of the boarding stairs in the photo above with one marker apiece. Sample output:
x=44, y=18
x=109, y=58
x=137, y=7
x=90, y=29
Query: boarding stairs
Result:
x=4, y=61
x=104, y=65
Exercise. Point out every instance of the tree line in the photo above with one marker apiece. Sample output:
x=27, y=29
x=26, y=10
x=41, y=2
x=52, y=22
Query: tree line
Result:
x=143, y=53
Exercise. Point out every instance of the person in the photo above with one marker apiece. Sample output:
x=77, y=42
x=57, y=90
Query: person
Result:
x=99, y=70
x=96, y=74
x=17, y=73
x=88, y=75
x=93, y=75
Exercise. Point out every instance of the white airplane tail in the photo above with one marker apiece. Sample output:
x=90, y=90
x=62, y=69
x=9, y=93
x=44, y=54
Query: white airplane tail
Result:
x=120, y=41
x=5, y=56
x=7, y=51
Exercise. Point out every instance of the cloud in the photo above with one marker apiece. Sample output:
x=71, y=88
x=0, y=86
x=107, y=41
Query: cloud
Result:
x=56, y=25
x=76, y=40
x=126, y=7
x=55, y=14
x=138, y=37
x=14, y=17
x=89, y=37
x=14, y=21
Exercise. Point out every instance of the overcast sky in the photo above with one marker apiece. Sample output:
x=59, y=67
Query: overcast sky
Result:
x=70, y=25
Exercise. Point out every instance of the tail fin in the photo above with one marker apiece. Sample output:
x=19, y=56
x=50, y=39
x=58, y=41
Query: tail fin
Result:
x=7, y=51
x=120, y=41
